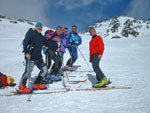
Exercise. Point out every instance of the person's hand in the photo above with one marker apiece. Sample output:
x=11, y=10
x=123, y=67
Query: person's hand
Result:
x=76, y=45
x=73, y=43
x=99, y=56
x=28, y=56
x=59, y=49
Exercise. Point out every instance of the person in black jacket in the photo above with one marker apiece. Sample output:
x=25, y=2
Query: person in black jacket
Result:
x=32, y=47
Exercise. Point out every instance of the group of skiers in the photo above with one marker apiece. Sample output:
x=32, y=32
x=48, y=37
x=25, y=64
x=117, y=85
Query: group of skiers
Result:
x=54, y=45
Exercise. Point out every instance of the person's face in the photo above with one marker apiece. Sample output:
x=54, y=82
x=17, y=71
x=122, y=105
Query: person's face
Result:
x=39, y=28
x=92, y=32
x=65, y=31
x=59, y=31
x=74, y=29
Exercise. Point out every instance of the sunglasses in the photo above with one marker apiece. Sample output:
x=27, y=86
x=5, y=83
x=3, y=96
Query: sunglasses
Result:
x=74, y=28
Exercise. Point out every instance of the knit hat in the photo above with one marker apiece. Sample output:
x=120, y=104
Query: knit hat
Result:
x=39, y=24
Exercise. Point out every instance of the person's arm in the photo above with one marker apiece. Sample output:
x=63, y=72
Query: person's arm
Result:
x=100, y=46
x=79, y=40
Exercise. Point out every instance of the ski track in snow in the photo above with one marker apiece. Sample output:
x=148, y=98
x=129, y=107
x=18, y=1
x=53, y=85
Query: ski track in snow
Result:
x=125, y=61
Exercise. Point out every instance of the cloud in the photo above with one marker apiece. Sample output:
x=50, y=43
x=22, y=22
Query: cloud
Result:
x=139, y=9
x=29, y=9
x=73, y=4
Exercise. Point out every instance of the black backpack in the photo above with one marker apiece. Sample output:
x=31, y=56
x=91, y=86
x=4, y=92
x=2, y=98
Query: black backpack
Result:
x=31, y=42
x=1, y=83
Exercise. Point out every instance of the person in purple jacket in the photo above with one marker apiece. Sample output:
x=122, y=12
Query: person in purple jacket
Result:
x=53, y=44
x=64, y=43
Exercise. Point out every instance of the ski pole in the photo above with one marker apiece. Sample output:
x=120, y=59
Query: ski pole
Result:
x=64, y=84
x=61, y=70
x=84, y=58
x=29, y=76
x=46, y=59
x=63, y=65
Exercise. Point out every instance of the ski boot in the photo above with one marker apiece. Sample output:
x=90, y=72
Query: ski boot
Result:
x=55, y=78
x=39, y=86
x=24, y=90
x=102, y=83
x=71, y=69
x=66, y=68
x=47, y=80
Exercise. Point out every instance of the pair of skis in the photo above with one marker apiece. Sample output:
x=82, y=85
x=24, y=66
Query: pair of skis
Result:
x=14, y=93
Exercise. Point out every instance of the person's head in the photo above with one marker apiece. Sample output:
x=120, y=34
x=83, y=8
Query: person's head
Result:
x=65, y=31
x=39, y=27
x=74, y=28
x=92, y=31
x=59, y=30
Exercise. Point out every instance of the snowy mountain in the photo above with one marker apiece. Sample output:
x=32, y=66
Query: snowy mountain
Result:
x=18, y=25
x=125, y=62
x=15, y=21
x=121, y=26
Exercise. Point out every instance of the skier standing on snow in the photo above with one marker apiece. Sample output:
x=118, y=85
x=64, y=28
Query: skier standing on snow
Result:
x=64, y=43
x=96, y=52
x=53, y=44
x=75, y=40
x=32, y=46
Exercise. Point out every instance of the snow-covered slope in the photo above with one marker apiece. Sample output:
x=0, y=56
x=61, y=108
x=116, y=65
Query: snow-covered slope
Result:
x=122, y=26
x=125, y=62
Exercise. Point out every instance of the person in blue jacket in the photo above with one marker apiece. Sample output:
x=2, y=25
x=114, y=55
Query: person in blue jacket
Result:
x=75, y=40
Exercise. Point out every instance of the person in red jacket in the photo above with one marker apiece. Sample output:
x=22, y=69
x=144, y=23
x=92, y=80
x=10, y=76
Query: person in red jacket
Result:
x=96, y=53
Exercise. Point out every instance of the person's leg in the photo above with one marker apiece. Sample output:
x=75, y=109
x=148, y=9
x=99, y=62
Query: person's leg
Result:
x=95, y=64
x=57, y=63
x=27, y=72
x=75, y=55
x=61, y=56
x=22, y=85
x=43, y=71
x=69, y=62
x=62, y=64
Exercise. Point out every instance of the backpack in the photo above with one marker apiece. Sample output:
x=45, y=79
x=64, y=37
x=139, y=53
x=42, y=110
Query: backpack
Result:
x=50, y=31
x=3, y=80
x=31, y=40
x=1, y=83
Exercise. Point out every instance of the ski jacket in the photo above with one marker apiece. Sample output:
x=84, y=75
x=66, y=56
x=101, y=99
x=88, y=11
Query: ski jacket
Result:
x=74, y=39
x=52, y=41
x=34, y=40
x=96, y=46
x=64, y=42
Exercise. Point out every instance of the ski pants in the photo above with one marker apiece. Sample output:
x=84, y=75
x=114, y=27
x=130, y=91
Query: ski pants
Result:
x=57, y=62
x=29, y=68
x=74, y=56
x=96, y=67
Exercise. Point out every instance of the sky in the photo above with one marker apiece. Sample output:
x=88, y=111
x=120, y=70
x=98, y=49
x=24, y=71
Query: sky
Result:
x=66, y=13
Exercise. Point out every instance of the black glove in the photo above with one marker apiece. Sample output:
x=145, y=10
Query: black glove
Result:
x=30, y=49
x=73, y=43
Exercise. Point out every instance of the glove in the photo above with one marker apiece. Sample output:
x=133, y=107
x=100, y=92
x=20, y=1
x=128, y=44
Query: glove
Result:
x=73, y=43
x=45, y=50
x=76, y=45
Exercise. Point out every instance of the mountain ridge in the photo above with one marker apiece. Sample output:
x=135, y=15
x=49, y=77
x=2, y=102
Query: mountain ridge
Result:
x=121, y=26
